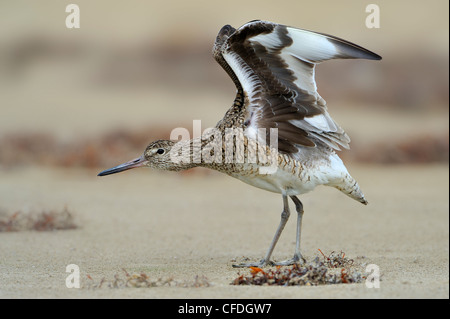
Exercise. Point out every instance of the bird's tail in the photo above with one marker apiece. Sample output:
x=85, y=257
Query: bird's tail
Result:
x=340, y=178
x=349, y=186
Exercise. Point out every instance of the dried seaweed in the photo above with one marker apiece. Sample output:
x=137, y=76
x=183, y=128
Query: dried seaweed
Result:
x=332, y=269
x=336, y=260
x=45, y=220
x=34, y=148
x=142, y=280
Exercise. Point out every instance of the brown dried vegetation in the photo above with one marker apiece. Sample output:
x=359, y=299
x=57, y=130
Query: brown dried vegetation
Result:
x=46, y=220
x=42, y=149
x=332, y=269
x=143, y=280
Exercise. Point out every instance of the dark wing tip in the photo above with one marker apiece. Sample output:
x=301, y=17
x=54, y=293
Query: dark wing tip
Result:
x=355, y=51
x=369, y=55
x=351, y=50
x=377, y=57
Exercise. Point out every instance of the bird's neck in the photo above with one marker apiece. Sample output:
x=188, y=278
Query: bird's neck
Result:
x=186, y=154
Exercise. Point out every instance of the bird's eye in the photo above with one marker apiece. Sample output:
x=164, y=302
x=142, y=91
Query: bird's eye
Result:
x=160, y=151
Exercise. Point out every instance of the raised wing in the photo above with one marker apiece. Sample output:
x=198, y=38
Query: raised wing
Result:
x=273, y=68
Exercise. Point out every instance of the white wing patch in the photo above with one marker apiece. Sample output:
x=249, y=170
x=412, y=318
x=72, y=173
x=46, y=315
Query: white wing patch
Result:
x=322, y=123
x=270, y=40
x=248, y=79
x=307, y=49
x=303, y=71
x=251, y=84
x=310, y=46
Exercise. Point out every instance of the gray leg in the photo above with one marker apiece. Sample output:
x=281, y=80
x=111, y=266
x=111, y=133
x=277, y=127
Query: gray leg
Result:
x=266, y=260
x=297, y=255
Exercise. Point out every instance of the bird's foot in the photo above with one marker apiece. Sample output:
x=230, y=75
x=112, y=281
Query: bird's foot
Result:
x=261, y=263
x=297, y=259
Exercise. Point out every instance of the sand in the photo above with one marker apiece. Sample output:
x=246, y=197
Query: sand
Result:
x=168, y=225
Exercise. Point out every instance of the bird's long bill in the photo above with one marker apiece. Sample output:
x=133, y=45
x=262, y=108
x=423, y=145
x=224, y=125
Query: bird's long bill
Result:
x=138, y=162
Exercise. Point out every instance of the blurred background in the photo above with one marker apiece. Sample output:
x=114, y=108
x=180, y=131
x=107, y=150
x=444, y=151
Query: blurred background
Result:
x=134, y=70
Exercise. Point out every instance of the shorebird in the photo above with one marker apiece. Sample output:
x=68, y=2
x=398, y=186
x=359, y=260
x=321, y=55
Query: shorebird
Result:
x=273, y=68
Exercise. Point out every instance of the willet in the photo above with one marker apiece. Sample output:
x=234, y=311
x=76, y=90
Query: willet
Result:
x=272, y=66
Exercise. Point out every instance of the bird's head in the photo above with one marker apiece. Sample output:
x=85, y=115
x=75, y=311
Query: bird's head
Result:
x=157, y=155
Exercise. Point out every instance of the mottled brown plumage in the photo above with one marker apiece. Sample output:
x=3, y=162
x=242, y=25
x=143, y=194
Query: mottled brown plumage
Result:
x=278, y=134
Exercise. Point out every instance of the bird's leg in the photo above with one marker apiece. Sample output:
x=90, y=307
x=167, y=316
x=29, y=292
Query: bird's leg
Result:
x=266, y=260
x=297, y=255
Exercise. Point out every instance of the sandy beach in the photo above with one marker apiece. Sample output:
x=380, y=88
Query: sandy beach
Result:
x=167, y=225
